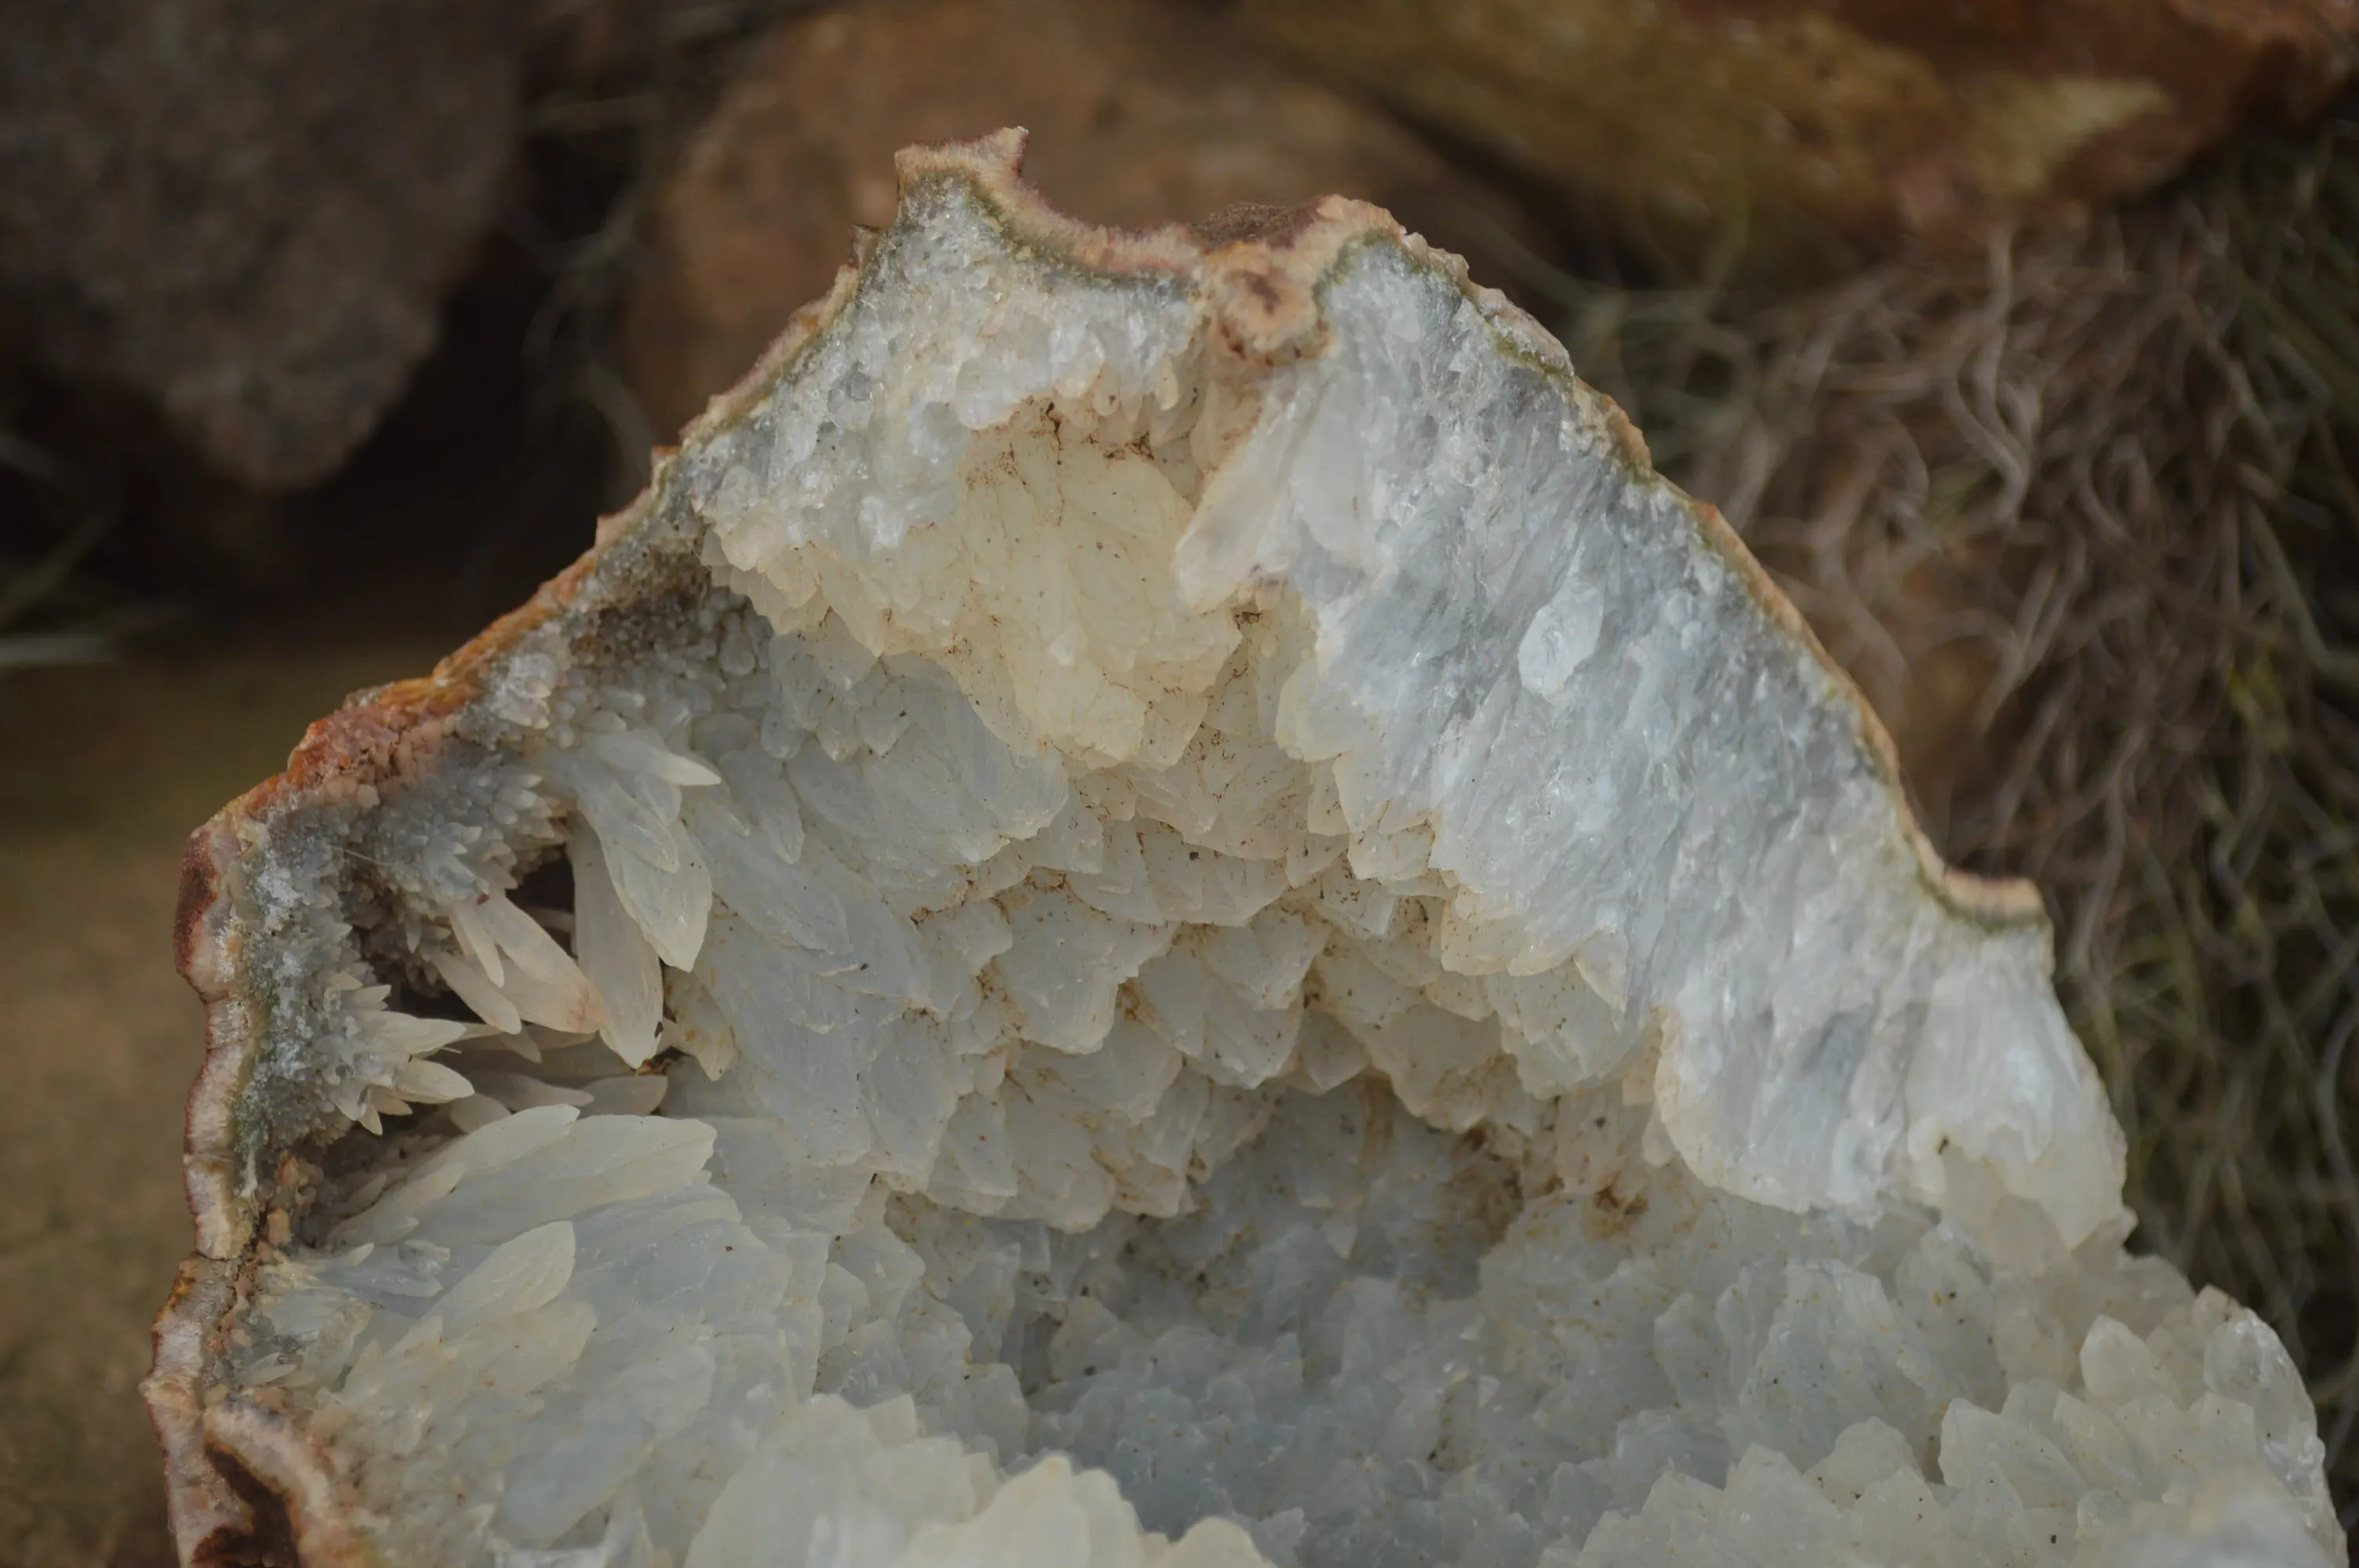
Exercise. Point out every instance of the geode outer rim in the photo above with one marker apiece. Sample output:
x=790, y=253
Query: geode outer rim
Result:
x=1255, y=278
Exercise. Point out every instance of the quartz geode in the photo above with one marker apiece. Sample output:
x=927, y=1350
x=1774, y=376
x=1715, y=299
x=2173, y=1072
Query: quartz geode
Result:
x=1159, y=907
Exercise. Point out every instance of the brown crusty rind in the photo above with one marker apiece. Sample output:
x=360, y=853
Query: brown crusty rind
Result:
x=1256, y=279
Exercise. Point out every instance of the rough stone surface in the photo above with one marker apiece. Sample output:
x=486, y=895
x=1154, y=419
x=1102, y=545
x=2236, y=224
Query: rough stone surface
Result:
x=1827, y=129
x=1143, y=112
x=246, y=212
x=1158, y=907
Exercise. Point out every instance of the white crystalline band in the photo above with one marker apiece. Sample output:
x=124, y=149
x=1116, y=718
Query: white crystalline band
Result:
x=1527, y=652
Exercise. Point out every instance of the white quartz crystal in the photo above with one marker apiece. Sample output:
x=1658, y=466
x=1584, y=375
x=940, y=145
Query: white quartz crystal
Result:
x=1190, y=958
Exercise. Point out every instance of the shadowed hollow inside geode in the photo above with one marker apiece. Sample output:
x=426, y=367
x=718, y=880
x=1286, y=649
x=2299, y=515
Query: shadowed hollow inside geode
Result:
x=1159, y=907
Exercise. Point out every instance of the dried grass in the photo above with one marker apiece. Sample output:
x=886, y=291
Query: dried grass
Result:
x=2083, y=518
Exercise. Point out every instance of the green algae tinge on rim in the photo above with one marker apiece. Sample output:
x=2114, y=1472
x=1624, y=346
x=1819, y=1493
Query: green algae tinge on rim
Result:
x=1159, y=907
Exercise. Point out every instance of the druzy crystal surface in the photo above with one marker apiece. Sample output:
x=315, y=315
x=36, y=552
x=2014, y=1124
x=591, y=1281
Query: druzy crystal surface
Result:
x=1161, y=908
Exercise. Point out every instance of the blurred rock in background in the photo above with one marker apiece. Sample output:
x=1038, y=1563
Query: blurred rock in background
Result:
x=1832, y=129
x=246, y=212
x=1142, y=111
x=273, y=276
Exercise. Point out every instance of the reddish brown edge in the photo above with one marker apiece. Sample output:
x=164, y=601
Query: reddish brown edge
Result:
x=246, y=1482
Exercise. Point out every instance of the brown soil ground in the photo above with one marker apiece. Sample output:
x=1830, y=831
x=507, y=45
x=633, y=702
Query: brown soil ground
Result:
x=104, y=771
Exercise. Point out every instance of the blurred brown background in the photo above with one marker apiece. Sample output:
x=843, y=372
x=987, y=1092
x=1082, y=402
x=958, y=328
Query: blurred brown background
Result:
x=2021, y=340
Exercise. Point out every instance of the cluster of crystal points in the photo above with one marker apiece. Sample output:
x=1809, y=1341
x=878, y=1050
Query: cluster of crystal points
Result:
x=1450, y=1060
